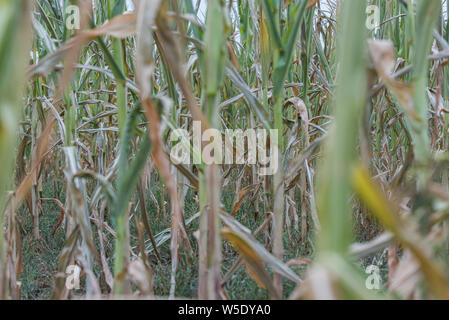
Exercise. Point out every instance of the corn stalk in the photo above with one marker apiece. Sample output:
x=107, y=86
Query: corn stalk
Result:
x=14, y=43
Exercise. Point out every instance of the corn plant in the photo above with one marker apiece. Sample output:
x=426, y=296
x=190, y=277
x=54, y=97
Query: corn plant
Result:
x=107, y=133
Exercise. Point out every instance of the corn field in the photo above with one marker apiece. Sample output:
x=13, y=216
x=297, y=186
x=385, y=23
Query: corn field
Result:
x=346, y=100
